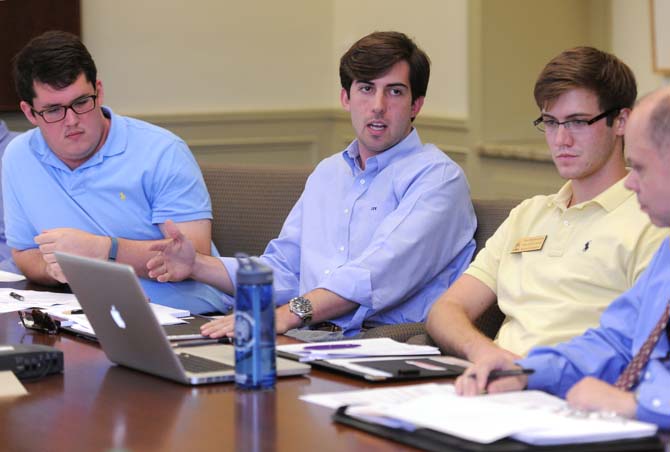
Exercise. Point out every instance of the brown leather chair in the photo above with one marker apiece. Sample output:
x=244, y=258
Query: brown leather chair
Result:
x=250, y=203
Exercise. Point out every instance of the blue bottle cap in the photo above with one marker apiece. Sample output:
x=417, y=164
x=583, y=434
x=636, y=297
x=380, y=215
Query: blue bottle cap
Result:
x=252, y=270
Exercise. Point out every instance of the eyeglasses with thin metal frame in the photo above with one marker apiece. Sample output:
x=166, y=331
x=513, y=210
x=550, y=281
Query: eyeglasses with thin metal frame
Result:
x=39, y=321
x=575, y=125
x=57, y=113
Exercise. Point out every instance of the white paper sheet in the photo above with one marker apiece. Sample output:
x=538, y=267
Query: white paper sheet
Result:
x=36, y=299
x=397, y=394
x=356, y=348
x=10, y=277
x=10, y=386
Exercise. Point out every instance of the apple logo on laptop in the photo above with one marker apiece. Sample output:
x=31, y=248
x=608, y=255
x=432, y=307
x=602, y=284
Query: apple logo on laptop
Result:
x=116, y=315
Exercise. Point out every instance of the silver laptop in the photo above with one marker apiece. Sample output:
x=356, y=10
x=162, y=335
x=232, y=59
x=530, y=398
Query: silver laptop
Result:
x=130, y=335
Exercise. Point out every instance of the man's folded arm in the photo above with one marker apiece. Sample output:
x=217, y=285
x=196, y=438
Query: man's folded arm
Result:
x=33, y=266
x=34, y=262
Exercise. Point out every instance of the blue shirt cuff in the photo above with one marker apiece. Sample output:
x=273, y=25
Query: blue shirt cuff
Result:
x=351, y=283
x=546, y=372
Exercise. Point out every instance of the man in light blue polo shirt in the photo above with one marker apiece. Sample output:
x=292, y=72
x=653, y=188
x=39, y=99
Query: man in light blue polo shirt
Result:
x=89, y=182
x=381, y=227
x=6, y=261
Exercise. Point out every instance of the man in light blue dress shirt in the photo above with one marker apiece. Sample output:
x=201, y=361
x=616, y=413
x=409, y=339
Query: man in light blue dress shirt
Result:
x=586, y=370
x=380, y=230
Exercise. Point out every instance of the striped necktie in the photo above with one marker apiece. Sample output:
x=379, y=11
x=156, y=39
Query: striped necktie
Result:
x=631, y=374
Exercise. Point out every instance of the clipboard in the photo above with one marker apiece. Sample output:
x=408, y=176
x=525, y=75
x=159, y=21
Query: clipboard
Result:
x=432, y=441
x=399, y=368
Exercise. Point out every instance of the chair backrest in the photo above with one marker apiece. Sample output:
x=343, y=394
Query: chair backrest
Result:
x=490, y=214
x=250, y=203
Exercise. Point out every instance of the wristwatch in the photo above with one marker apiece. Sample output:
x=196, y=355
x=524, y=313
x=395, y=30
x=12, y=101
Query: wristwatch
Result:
x=301, y=307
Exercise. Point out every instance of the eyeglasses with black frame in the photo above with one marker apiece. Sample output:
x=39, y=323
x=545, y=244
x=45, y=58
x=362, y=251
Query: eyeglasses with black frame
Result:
x=57, y=113
x=575, y=125
x=35, y=319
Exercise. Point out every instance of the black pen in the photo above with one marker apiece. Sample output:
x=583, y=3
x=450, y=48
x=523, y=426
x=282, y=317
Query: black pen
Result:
x=74, y=311
x=223, y=340
x=506, y=373
x=16, y=296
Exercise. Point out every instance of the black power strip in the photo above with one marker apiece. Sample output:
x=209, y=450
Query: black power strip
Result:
x=31, y=361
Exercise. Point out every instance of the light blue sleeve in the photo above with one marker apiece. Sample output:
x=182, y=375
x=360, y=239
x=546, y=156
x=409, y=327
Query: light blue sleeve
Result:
x=19, y=231
x=178, y=191
x=432, y=224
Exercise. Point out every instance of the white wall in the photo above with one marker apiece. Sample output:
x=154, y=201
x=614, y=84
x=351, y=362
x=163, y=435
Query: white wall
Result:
x=631, y=41
x=172, y=56
x=178, y=56
x=437, y=26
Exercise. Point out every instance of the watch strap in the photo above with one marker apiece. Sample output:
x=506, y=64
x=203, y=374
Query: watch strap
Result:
x=114, y=249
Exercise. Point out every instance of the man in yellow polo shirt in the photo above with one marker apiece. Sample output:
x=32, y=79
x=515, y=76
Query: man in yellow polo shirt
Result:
x=557, y=261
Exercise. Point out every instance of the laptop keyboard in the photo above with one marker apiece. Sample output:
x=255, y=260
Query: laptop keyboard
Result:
x=198, y=364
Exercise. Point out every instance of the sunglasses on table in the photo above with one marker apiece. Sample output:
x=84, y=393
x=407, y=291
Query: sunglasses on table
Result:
x=35, y=319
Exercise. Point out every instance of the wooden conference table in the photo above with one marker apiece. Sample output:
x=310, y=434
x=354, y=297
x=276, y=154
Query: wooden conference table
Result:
x=97, y=406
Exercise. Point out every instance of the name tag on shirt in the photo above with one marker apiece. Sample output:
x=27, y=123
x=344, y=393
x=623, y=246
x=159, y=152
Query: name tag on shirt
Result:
x=529, y=244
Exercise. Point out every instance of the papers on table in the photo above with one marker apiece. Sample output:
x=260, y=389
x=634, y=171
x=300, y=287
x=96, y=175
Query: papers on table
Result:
x=10, y=386
x=169, y=316
x=165, y=315
x=60, y=306
x=356, y=348
x=34, y=299
x=10, y=277
x=530, y=416
x=396, y=394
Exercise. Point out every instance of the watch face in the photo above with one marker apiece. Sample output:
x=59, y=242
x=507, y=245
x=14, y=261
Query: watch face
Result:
x=301, y=307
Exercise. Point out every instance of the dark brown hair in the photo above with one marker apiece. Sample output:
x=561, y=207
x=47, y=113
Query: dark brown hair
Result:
x=374, y=55
x=609, y=78
x=54, y=58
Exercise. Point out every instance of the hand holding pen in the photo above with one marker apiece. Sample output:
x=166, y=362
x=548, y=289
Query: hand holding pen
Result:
x=498, y=373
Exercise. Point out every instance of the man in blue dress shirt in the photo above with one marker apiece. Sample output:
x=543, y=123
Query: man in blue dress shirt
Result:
x=586, y=370
x=381, y=228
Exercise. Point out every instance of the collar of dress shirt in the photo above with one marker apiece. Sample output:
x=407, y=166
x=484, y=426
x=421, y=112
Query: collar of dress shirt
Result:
x=609, y=200
x=411, y=143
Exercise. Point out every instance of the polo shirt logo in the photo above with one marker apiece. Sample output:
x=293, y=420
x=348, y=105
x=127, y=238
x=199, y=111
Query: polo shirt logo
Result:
x=122, y=196
x=373, y=208
x=586, y=246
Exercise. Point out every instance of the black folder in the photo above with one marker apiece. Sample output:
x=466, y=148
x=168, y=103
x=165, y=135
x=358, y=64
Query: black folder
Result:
x=431, y=440
x=400, y=368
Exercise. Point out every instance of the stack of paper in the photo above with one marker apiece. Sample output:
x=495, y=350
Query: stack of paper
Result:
x=356, y=348
x=12, y=300
x=534, y=417
x=10, y=277
x=65, y=308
